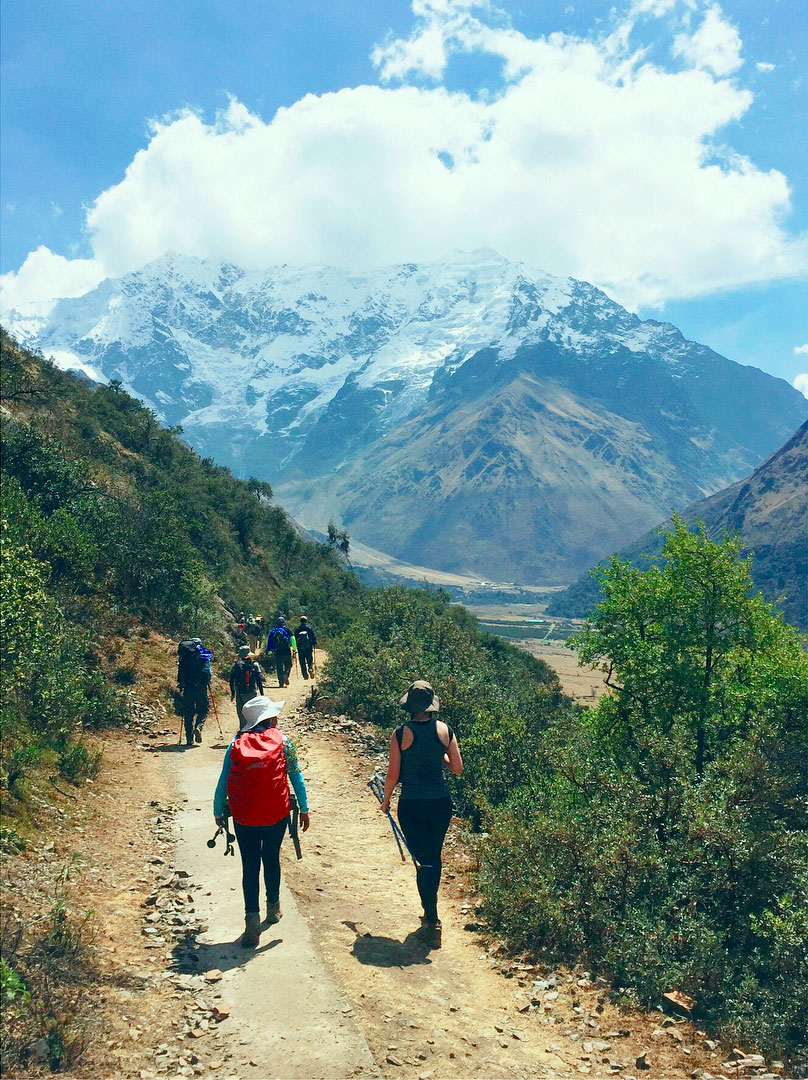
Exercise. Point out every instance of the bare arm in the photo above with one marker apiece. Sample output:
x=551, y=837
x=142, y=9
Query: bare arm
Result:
x=452, y=757
x=393, y=773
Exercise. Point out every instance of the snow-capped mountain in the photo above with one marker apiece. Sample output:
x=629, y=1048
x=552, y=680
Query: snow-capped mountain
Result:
x=430, y=407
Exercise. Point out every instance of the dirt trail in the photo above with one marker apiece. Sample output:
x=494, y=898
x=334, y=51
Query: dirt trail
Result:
x=288, y=1019
x=350, y=990
x=340, y=987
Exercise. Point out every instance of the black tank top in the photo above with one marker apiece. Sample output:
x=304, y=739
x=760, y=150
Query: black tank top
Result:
x=422, y=775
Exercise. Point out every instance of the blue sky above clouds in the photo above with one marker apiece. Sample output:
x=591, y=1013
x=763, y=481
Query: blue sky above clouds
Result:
x=656, y=148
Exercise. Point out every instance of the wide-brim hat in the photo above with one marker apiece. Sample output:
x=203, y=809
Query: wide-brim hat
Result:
x=258, y=709
x=420, y=697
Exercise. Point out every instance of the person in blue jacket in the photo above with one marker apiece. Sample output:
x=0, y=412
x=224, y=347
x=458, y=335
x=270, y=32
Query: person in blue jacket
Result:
x=260, y=844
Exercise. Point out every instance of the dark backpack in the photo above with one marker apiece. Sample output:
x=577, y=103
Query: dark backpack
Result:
x=281, y=640
x=245, y=675
x=193, y=664
x=304, y=639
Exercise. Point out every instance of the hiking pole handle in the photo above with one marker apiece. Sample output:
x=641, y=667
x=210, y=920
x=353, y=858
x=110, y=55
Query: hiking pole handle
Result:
x=374, y=786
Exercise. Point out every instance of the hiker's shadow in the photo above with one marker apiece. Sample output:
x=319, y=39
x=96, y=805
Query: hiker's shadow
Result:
x=195, y=958
x=380, y=951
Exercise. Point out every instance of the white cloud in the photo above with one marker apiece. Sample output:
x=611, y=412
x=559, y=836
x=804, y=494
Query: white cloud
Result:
x=587, y=160
x=801, y=350
x=45, y=275
x=764, y=67
x=716, y=45
x=801, y=383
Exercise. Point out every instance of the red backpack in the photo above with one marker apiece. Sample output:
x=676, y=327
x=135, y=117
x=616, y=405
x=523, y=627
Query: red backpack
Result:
x=257, y=788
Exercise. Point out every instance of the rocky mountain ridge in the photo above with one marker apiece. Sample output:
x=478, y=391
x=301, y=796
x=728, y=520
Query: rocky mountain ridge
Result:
x=768, y=511
x=474, y=414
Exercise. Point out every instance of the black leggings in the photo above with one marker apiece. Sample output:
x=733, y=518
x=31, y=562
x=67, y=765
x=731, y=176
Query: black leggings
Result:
x=257, y=844
x=424, y=823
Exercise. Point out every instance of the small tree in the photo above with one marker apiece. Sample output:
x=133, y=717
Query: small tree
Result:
x=338, y=539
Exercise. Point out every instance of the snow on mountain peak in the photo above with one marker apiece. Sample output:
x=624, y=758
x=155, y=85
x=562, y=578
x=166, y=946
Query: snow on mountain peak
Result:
x=207, y=343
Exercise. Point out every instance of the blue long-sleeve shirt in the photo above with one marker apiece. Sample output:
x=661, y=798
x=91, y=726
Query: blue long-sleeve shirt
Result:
x=292, y=771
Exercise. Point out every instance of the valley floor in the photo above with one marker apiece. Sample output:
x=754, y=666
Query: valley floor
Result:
x=339, y=987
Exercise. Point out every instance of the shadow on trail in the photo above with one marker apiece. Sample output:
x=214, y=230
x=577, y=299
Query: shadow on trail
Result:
x=380, y=951
x=192, y=957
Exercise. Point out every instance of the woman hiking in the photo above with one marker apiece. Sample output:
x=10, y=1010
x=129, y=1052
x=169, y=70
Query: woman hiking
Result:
x=253, y=785
x=419, y=749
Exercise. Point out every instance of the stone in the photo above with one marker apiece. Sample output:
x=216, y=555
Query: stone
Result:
x=679, y=1001
x=391, y=1059
x=709, y=1044
x=643, y=1060
x=212, y=976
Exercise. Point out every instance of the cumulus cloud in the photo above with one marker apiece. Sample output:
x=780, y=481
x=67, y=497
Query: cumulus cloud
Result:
x=801, y=350
x=715, y=45
x=801, y=383
x=585, y=158
x=764, y=67
x=44, y=276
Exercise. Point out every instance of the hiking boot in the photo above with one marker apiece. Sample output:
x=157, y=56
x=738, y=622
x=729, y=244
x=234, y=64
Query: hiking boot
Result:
x=274, y=914
x=430, y=932
x=252, y=930
x=198, y=734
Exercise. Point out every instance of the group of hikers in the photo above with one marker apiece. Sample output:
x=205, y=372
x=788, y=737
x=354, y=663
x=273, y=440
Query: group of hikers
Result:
x=283, y=644
x=260, y=763
x=253, y=789
x=283, y=648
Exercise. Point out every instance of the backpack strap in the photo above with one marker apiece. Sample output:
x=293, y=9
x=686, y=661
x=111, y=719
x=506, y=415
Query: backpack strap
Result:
x=399, y=734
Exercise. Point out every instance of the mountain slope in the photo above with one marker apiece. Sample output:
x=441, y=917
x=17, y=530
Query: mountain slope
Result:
x=476, y=414
x=768, y=511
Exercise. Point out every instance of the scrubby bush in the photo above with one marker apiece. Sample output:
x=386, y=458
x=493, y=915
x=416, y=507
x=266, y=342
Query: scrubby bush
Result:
x=496, y=697
x=664, y=842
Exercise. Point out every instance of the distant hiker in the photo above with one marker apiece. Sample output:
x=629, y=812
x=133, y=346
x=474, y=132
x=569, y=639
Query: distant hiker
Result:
x=281, y=644
x=306, y=641
x=253, y=786
x=193, y=678
x=245, y=680
x=253, y=631
x=419, y=749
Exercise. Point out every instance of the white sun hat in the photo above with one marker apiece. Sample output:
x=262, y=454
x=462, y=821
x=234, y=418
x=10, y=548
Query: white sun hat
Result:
x=258, y=709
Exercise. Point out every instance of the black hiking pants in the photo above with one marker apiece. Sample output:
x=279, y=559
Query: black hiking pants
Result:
x=241, y=697
x=260, y=844
x=283, y=666
x=424, y=823
x=306, y=662
x=194, y=709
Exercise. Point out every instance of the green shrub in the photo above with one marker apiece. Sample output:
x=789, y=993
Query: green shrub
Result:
x=77, y=763
x=663, y=839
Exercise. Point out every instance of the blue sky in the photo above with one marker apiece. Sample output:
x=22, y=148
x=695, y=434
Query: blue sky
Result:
x=560, y=145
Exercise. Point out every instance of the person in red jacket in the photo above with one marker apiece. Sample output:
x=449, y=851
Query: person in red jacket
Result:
x=254, y=786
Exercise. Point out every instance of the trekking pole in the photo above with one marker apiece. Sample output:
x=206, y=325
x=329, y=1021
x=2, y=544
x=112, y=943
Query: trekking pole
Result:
x=215, y=712
x=376, y=785
x=293, y=830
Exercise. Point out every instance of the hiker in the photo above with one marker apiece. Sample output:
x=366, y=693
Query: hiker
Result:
x=253, y=631
x=419, y=749
x=306, y=641
x=281, y=643
x=245, y=680
x=193, y=679
x=253, y=787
